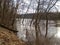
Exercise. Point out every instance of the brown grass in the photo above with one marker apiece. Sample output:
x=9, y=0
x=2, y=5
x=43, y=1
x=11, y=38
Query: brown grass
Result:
x=9, y=38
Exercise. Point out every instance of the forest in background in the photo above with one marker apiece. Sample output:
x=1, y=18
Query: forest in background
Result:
x=9, y=10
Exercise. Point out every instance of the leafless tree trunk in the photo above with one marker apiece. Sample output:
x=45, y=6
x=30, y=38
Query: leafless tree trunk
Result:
x=37, y=17
x=8, y=13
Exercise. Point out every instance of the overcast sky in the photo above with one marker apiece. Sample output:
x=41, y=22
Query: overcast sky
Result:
x=26, y=4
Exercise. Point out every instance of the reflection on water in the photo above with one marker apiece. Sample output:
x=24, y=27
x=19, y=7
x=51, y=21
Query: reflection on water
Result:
x=53, y=29
x=58, y=32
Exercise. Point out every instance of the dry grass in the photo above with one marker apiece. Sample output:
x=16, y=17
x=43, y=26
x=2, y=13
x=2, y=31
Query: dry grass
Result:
x=8, y=38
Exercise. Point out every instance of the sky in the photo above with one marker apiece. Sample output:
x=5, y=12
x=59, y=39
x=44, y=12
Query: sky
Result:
x=34, y=5
x=58, y=4
x=26, y=4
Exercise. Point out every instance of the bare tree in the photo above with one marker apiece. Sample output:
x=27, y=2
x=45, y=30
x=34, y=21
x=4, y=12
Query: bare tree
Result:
x=8, y=13
x=44, y=6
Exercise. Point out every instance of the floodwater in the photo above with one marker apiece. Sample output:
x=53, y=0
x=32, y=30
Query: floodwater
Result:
x=53, y=29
